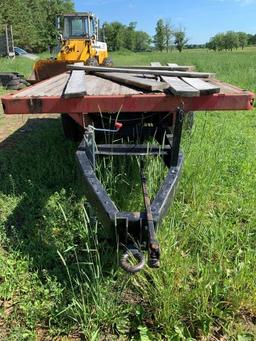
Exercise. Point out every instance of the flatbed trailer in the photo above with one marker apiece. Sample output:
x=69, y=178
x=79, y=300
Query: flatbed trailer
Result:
x=128, y=114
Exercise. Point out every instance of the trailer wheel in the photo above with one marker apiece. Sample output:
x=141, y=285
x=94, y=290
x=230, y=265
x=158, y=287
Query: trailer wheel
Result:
x=108, y=62
x=72, y=130
x=92, y=62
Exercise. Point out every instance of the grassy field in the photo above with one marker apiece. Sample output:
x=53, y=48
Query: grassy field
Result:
x=59, y=282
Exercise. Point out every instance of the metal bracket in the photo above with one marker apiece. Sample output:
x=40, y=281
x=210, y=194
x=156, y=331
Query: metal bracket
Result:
x=89, y=145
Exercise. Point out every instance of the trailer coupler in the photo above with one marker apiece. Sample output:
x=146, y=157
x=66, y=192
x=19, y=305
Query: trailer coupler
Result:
x=133, y=230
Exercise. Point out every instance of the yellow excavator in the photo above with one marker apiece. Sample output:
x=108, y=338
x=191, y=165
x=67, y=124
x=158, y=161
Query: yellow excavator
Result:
x=78, y=42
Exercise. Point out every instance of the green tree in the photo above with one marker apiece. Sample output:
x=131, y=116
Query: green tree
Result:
x=34, y=21
x=167, y=34
x=251, y=39
x=142, y=41
x=230, y=40
x=120, y=36
x=129, y=36
x=180, y=39
x=243, y=39
x=217, y=43
x=114, y=35
x=54, y=8
x=159, y=38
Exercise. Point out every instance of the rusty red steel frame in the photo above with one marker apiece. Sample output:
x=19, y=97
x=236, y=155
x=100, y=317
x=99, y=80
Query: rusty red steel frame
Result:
x=156, y=102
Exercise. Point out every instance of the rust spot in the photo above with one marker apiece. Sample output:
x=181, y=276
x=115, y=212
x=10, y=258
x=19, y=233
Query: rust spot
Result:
x=35, y=105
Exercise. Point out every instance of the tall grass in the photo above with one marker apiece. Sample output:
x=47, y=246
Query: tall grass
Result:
x=62, y=280
x=18, y=64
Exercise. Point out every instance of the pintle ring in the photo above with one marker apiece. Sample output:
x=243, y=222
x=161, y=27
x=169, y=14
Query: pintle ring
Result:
x=129, y=254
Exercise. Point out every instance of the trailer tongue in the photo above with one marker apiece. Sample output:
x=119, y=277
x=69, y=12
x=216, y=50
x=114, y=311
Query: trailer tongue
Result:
x=136, y=116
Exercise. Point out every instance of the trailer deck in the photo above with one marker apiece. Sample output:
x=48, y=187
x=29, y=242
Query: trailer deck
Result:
x=109, y=96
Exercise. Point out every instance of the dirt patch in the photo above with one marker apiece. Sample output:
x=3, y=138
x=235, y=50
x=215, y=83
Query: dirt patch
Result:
x=4, y=331
x=6, y=309
x=42, y=334
x=10, y=124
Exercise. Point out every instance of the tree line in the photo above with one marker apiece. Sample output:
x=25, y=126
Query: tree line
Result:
x=119, y=36
x=231, y=40
x=167, y=36
x=33, y=22
x=34, y=28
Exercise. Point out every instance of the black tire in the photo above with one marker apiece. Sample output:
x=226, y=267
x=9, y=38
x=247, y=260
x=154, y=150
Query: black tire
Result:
x=92, y=62
x=108, y=62
x=72, y=130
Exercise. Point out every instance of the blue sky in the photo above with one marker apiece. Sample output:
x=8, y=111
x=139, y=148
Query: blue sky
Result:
x=201, y=18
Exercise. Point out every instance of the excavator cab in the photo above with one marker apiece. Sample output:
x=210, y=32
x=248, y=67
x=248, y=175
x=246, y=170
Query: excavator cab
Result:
x=78, y=42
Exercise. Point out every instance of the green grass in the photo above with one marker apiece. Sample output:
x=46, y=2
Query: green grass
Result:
x=56, y=278
x=18, y=64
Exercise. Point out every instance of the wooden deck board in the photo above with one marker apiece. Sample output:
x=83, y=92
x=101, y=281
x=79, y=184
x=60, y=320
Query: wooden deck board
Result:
x=76, y=85
x=155, y=64
x=158, y=72
x=170, y=67
x=205, y=88
x=44, y=88
x=138, y=82
x=96, y=86
x=179, y=88
x=172, y=64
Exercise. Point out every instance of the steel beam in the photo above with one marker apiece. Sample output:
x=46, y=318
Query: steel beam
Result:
x=154, y=102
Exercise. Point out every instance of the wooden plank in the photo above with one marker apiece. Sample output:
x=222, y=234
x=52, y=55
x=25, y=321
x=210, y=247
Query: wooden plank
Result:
x=141, y=83
x=172, y=64
x=58, y=91
x=97, y=86
x=155, y=64
x=94, y=69
x=205, y=88
x=144, y=76
x=175, y=67
x=76, y=86
x=45, y=87
x=179, y=88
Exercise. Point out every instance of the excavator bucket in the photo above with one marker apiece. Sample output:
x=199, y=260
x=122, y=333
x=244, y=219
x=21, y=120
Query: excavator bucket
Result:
x=44, y=69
